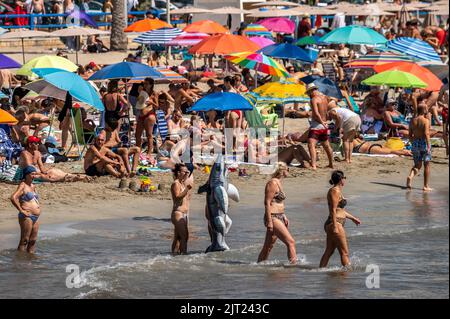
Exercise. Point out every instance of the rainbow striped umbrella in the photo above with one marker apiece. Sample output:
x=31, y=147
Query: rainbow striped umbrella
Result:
x=375, y=59
x=257, y=30
x=258, y=62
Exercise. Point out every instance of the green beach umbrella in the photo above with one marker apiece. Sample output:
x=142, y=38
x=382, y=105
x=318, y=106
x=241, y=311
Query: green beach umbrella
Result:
x=395, y=79
x=308, y=40
x=354, y=34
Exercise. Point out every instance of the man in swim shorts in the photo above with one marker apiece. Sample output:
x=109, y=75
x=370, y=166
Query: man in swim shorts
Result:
x=421, y=146
x=318, y=130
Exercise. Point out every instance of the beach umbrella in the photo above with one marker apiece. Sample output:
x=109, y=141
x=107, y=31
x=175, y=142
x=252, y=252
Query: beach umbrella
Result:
x=404, y=17
x=261, y=41
x=80, y=89
x=414, y=47
x=24, y=34
x=2, y=31
x=276, y=4
x=126, y=70
x=283, y=91
x=222, y=101
x=74, y=31
x=46, y=61
x=286, y=51
x=158, y=36
x=354, y=34
x=395, y=79
x=437, y=68
x=187, y=39
x=3, y=95
x=224, y=44
x=258, y=62
x=228, y=10
x=8, y=63
x=189, y=10
x=6, y=118
x=272, y=13
x=324, y=85
x=258, y=30
x=379, y=58
x=283, y=25
x=308, y=40
x=205, y=26
x=147, y=25
x=430, y=19
x=432, y=81
x=78, y=16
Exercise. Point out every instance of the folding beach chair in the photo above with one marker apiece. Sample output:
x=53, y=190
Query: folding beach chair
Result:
x=161, y=122
x=329, y=71
x=78, y=135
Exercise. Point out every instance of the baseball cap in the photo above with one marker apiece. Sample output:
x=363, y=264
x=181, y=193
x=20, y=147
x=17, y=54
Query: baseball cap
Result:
x=28, y=170
x=32, y=139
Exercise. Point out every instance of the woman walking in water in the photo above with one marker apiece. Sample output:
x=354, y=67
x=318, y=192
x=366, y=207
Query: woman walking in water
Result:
x=181, y=197
x=274, y=218
x=334, y=226
x=26, y=200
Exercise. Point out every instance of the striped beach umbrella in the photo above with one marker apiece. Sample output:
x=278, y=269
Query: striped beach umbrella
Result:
x=187, y=39
x=158, y=36
x=375, y=59
x=256, y=30
x=415, y=48
x=258, y=62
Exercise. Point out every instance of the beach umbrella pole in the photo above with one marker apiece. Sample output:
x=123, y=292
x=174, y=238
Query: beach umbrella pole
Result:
x=23, y=52
x=284, y=122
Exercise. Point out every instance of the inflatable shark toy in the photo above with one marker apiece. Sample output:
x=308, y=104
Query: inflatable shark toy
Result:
x=218, y=191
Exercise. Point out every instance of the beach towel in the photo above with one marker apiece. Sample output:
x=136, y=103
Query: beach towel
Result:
x=162, y=124
x=9, y=149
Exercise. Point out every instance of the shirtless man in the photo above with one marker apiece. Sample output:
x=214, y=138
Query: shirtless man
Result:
x=23, y=128
x=318, y=130
x=31, y=156
x=100, y=160
x=7, y=79
x=114, y=143
x=419, y=136
x=184, y=97
x=181, y=194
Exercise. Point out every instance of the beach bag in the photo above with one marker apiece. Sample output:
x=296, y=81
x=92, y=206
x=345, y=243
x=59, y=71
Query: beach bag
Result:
x=394, y=143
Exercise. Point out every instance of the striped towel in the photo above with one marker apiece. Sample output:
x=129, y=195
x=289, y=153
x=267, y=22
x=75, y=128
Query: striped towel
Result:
x=162, y=124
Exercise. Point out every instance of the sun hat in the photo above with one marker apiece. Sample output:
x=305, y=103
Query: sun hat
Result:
x=311, y=86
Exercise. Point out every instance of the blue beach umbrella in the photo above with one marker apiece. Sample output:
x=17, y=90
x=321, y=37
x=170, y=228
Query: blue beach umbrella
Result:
x=415, y=48
x=324, y=85
x=158, y=36
x=126, y=70
x=286, y=51
x=223, y=101
x=8, y=63
x=3, y=95
x=354, y=34
x=80, y=89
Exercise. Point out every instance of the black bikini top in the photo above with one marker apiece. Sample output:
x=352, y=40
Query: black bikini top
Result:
x=342, y=203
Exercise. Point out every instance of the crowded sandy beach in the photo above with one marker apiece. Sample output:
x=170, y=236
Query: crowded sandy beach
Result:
x=276, y=149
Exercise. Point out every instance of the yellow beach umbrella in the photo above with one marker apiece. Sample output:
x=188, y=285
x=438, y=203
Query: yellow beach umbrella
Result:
x=284, y=91
x=46, y=61
x=6, y=118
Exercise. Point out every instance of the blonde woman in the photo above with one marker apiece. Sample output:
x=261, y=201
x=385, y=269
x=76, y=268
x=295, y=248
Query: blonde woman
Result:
x=275, y=219
x=108, y=8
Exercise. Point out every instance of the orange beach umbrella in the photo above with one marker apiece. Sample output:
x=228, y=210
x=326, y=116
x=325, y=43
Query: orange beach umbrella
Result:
x=147, y=25
x=205, y=26
x=432, y=81
x=6, y=118
x=224, y=44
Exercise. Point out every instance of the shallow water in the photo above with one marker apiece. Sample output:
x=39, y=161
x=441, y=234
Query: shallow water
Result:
x=405, y=234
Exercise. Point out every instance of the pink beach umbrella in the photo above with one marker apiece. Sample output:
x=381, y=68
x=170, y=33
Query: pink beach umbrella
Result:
x=283, y=25
x=187, y=39
x=262, y=41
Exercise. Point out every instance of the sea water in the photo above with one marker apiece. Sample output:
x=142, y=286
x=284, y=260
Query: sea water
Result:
x=403, y=235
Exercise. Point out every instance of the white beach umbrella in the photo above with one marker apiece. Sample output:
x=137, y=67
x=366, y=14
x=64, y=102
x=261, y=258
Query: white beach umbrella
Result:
x=276, y=4
x=274, y=13
x=24, y=34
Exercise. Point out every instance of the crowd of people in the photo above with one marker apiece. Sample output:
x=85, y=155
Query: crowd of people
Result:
x=142, y=125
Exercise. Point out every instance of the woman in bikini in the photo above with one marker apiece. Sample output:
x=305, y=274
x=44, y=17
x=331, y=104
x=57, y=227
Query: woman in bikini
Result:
x=181, y=197
x=365, y=147
x=147, y=105
x=334, y=225
x=26, y=200
x=275, y=220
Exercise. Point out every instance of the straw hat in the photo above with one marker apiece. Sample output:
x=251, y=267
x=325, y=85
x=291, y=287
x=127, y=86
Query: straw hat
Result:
x=311, y=86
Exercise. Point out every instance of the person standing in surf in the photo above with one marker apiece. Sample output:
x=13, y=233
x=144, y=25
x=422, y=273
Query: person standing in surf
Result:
x=275, y=219
x=26, y=200
x=181, y=197
x=334, y=225
x=419, y=136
